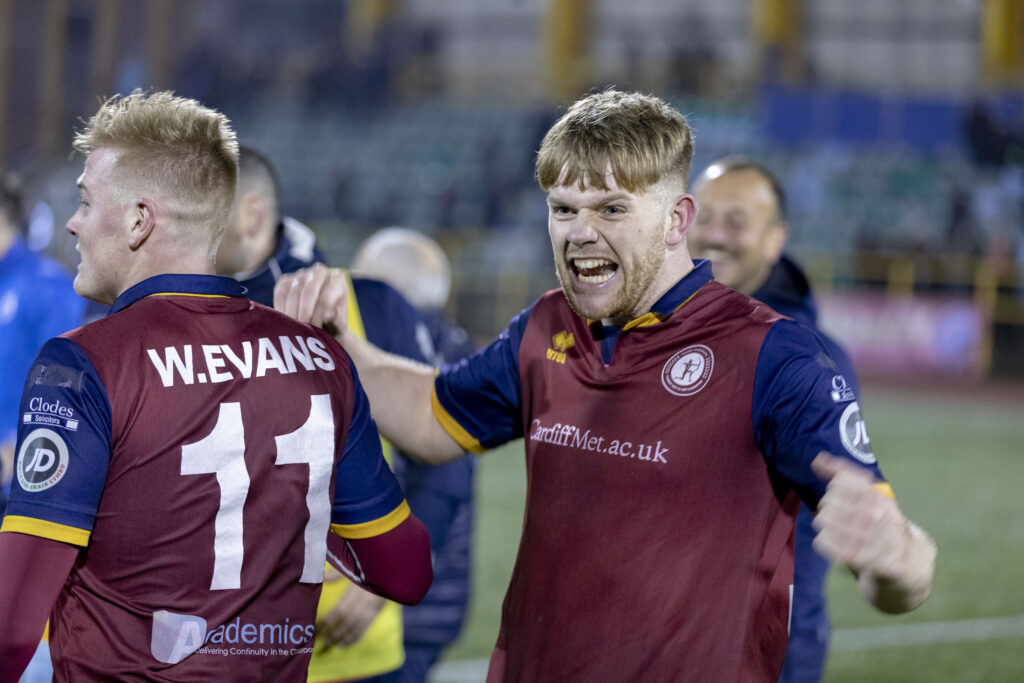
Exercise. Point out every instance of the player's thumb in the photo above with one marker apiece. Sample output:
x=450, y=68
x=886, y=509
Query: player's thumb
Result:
x=826, y=465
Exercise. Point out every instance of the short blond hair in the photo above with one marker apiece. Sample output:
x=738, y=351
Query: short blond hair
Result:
x=643, y=138
x=170, y=144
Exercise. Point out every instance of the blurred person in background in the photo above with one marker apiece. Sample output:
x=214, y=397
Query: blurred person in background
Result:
x=671, y=427
x=164, y=507
x=359, y=633
x=741, y=228
x=37, y=302
x=418, y=268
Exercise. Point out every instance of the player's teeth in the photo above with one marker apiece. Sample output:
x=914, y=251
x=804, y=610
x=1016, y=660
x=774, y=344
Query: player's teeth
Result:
x=594, y=270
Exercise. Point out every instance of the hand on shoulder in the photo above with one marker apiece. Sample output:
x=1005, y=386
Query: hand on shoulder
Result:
x=317, y=295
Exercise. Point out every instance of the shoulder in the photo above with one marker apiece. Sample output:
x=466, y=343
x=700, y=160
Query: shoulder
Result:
x=789, y=337
x=297, y=248
x=371, y=292
x=717, y=307
x=61, y=363
x=388, y=318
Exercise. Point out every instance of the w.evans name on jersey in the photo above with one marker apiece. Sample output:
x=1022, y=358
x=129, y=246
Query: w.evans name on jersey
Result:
x=224, y=362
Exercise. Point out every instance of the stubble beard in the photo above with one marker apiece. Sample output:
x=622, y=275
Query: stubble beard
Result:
x=631, y=295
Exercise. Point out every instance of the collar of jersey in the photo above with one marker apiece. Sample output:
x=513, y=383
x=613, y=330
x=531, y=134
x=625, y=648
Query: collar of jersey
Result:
x=179, y=285
x=676, y=296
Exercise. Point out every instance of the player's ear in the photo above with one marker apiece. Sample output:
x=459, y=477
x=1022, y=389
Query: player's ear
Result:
x=143, y=220
x=684, y=209
x=252, y=212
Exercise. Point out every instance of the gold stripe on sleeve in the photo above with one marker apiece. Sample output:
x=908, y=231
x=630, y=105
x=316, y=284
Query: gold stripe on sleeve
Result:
x=454, y=429
x=44, y=529
x=376, y=527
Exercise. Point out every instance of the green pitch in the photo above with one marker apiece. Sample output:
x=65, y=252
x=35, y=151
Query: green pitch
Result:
x=956, y=461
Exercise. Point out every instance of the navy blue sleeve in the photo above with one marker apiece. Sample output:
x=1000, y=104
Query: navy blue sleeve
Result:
x=365, y=487
x=805, y=403
x=480, y=397
x=63, y=448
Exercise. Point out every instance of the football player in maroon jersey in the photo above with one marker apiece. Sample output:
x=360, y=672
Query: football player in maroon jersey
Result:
x=186, y=464
x=671, y=425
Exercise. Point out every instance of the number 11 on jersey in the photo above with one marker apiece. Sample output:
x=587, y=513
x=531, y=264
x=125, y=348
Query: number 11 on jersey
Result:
x=222, y=452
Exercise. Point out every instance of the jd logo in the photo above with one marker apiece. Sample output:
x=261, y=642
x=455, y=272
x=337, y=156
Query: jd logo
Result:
x=176, y=636
x=42, y=460
x=854, y=434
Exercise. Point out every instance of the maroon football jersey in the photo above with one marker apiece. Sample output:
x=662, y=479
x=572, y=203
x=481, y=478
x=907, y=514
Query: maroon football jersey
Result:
x=199, y=446
x=704, y=592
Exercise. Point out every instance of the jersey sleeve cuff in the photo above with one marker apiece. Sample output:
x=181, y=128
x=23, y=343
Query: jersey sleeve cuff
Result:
x=454, y=429
x=44, y=529
x=376, y=527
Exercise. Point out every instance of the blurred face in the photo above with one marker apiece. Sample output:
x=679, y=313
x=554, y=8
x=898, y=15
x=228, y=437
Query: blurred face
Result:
x=610, y=247
x=101, y=225
x=249, y=237
x=738, y=229
x=230, y=253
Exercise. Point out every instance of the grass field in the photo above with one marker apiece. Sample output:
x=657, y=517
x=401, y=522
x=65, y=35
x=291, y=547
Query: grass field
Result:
x=956, y=460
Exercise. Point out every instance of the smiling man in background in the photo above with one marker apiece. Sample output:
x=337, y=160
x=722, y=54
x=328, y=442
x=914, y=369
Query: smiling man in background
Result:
x=741, y=228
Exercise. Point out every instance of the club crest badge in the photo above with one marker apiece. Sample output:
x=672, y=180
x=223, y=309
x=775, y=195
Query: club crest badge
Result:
x=688, y=371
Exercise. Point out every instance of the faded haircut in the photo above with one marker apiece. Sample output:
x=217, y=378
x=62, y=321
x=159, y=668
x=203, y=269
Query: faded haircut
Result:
x=173, y=145
x=643, y=138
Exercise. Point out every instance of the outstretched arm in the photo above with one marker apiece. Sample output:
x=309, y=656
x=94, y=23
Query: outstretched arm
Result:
x=399, y=389
x=32, y=574
x=858, y=525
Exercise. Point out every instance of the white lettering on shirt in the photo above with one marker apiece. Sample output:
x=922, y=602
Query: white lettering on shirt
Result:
x=224, y=362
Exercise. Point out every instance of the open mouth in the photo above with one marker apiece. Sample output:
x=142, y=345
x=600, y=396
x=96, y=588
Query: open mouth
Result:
x=594, y=270
x=716, y=255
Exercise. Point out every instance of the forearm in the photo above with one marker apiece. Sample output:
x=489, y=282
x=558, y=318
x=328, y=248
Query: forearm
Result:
x=31, y=576
x=395, y=565
x=909, y=582
x=400, y=392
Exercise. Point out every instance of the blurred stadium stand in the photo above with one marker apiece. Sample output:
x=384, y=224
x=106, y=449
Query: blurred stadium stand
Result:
x=897, y=128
